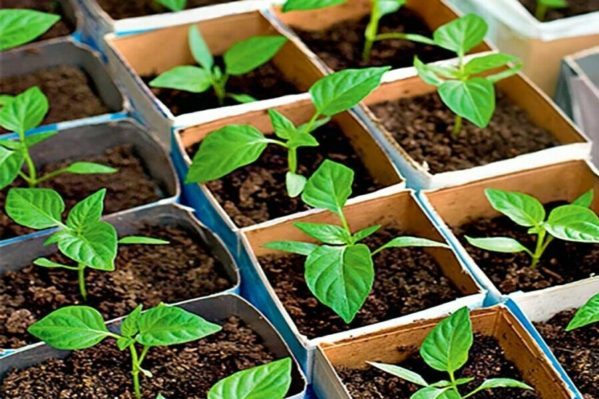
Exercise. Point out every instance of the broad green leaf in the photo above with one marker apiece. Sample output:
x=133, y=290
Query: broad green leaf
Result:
x=554, y=3
x=342, y=90
x=446, y=347
x=585, y=200
x=522, y=209
x=430, y=392
x=302, y=139
x=89, y=168
x=5, y=99
x=37, y=138
x=36, y=208
x=426, y=73
x=283, y=127
x=20, y=26
x=173, y=5
x=242, y=98
x=11, y=144
x=271, y=380
x=341, y=277
x=329, y=187
x=129, y=326
x=49, y=264
x=225, y=150
x=94, y=245
x=587, y=314
x=498, y=244
x=124, y=342
x=296, y=247
x=25, y=112
x=251, y=53
x=54, y=238
x=70, y=328
x=462, y=34
x=472, y=99
x=199, y=49
x=574, y=223
x=401, y=372
x=133, y=240
x=368, y=231
x=89, y=210
x=186, y=78
x=386, y=7
x=171, y=325
x=488, y=62
x=327, y=233
x=408, y=241
x=303, y=5
x=493, y=383
x=295, y=184
x=11, y=163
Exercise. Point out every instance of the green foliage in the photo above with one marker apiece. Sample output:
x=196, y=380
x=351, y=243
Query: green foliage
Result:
x=19, y=26
x=446, y=348
x=173, y=5
x=304, y=5
x=545, y=5
x=235, y=146
x=587, y=314
x=339, y=271
x=84, y=237
x=240, y=59
x=575, y=222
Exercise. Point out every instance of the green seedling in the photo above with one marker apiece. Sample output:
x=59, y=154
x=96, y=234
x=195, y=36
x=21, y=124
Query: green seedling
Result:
x=575, y=223
x=21, y=114
x=545, y=5
x=235, y=146
x=586, y=315
x=242, y=58
x=306, y=5
x=20, y=26
x=446, y=349
x=339, y=271
x=84, y=238
x=172, y=5
x=468, y=88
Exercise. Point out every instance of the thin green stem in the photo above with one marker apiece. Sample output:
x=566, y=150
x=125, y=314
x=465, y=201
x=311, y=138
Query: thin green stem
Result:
x=541, y=11
x=25, y=177
x=344, y=222
x=81, y=274
x=292, y=159
x=457, y=127
x=135, y=371
x=454, y=385
x=51, y=175
x=543, y=241
x=311, y=122
x=219, y=88
x=144, y=352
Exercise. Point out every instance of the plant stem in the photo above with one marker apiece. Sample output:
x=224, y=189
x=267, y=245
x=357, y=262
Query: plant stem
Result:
x=81, y=274
x=344, y=222
x=32, y=181
x=51, y=175
x=541, y=11
x=135, y=371
x=311, y=122
x=453, y=383
x=292, y=159
x=543, y=242
x=219, y=88
x=457, y=127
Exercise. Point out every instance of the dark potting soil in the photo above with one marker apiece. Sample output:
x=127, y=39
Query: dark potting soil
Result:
x=70, y=91
x=563, y=262
x=422, y=126
x=340, y=46
x=487, y=360
x=63, y=27
x=257, y=193
x=577, y=351
x=263, y=83
x=103, y=372
x=145, y=274
x=129, y=187
x=575, y=7
x=407, y=280
x=118, y=9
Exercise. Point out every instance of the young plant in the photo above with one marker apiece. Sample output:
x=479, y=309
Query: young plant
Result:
x=240, y=59
x=21, y=114
x=575, y=223
x=172, y=5
x=467, y=88
x=84, y=238
x=235, y=146
x=446, y=349
x=545, y=5
x=339, y=271
x=586, y=315
x=20, y=26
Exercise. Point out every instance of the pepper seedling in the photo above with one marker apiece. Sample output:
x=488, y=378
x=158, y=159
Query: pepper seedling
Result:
x=83, y=237
x=545, y=5
x=21, y=114
x=242, y=58
x=446, y=349
x=586, y=315
x=234, y=146
x=340, y=271
x=20, y=26
x=575, y=222
x=468, y=88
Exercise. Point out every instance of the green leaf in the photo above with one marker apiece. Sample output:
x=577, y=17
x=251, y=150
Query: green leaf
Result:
x=295, y=184
x=11, y=163
x=341, y=277
x=25, y=112
x=173, y=5
x=271, y=380
x=472, y=99
x=303, y=5
x=70, y=328
x=408, y=241
x=488, y=62
x=431, y=392
x=20, y=26
x=283, y=127
x=401, y=372
x=94, y=245
x=342, y=90
x=554, y=3
x=129, y=326
x=585, y=200
x=225, y=150
x=587, y=314
x=498, y=244
x=134, y=240
x=242, y=98
x=186, y=78
x=302, y=139
x=49, y=264
x=329, y=187
x=124, y=342
x=249, y=54
x=386, y=7
x=446, y=347
x=426, y=73
x=199, y=49
x=36, y=208
x=170, y=325
x=295, y=247
x=5, y=99
x=309, y=128
x=574, y=223
x=37, y=138
x=11, y=144
x=327, y=233
x=89, y=210
x=522, y=209
x=367, y=232
x=89, y=168
x=493, y=383
x=462, y=34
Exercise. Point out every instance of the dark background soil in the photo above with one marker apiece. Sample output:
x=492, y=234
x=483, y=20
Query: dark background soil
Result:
x=119, y=9
x=61, y=28
x=575, y=7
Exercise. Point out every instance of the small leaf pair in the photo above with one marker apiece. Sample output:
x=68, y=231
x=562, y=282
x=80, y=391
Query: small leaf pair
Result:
x=586, y=315
x=20, y=26
x=340, y=271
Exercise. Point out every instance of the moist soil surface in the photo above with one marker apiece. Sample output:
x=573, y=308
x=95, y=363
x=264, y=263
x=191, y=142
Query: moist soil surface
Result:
x=63, y=27
x=129, y=187
x=428, y=139
x=486, y=360
x=341, y=46
x=263, y=83
x=562, y=262
x=575, y=7
x=70, y=91
x=257, y=193
x=577, y=351
x=407, y=280
x=119, y=9
x=103, y=372
x=145, y=274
